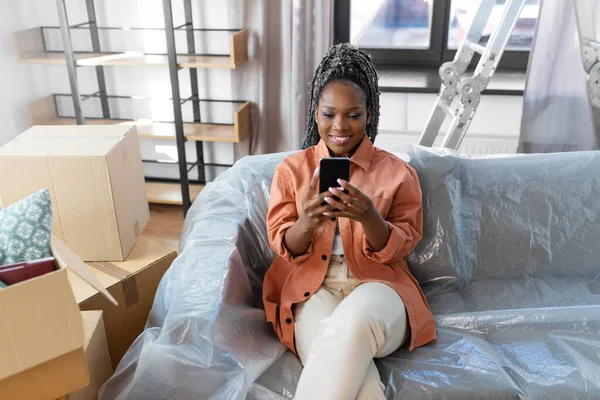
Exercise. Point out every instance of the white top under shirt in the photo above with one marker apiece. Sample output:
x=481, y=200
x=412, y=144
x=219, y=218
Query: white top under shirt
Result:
x=337, y=248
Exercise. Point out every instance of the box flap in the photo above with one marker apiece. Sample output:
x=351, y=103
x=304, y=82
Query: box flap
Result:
x=65, y=141
x=49, y=381
x=128, y=190
x=16, y=148
x=39, y=321
x=76, y=131
x=145, y=253
x=96, y=354
x=67, y=258
x=91, y=320
x=82, y=290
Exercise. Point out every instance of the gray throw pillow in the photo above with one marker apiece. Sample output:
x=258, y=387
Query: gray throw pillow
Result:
x=25, y=229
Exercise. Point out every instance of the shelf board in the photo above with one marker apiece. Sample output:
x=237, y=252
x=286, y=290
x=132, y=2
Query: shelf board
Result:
x=52, y=58
x=206, y=62
x=163, y=130
x=169, y=193
x=43, y=112
x=29, y=47
x=125, y=60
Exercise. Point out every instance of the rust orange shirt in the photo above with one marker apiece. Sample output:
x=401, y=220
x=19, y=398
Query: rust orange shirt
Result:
x=394, y=188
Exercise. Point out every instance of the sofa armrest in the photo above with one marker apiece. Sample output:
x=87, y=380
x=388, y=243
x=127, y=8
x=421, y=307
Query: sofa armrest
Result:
x=207, y=322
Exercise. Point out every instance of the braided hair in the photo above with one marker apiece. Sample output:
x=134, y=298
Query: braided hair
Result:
x=346, y=63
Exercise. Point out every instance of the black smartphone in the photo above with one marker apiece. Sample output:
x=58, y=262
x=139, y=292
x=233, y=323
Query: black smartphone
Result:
x=332, y=169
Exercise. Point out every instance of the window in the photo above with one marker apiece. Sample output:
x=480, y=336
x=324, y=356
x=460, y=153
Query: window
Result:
x=404, y=32
x=390, y=24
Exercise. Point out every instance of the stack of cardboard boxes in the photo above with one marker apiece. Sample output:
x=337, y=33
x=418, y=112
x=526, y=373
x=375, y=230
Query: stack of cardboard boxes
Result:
x=63, y=333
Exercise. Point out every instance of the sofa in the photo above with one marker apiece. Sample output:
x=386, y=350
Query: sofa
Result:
x=508, y=262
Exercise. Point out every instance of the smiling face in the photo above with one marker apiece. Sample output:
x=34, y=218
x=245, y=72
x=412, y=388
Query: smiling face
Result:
x=342, y=117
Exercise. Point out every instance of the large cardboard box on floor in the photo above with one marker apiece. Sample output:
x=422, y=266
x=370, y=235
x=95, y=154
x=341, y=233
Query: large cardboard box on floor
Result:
x=41, y=334
x=133, y=284
x=96, y=182
x=97, y=358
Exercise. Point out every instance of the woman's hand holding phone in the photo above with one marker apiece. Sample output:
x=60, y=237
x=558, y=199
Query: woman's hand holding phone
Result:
x=298, y=237
x=358, y=206
x=353, y=204
x=313, y=210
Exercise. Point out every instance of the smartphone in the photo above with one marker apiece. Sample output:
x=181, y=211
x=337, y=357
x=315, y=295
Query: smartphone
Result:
x=332, y=169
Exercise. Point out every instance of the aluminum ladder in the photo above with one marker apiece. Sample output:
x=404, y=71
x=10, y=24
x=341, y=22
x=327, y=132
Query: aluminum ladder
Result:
x=469, y=88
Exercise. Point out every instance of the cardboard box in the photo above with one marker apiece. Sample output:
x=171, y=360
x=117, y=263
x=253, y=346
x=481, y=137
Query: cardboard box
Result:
x=95, y=349
x=96, y=182
x=133, y=283
x=41, y=334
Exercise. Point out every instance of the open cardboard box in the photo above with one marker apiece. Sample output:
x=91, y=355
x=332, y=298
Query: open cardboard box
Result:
x=95, y=349
x=133, y=283
x=41, y=334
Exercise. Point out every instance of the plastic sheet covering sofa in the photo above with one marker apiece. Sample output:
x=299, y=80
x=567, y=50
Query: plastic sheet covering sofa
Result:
x=509, y=262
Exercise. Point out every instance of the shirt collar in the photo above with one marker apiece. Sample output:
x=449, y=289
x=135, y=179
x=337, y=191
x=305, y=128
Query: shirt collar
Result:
x=362, y=156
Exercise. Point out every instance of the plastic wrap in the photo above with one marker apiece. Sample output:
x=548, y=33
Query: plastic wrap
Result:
x=509, y=263
x=508, y=232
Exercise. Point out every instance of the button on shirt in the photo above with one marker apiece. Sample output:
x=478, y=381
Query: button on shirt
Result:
x=393, y=187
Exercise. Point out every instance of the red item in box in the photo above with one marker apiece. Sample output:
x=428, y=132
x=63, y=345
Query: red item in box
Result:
x=19, y=272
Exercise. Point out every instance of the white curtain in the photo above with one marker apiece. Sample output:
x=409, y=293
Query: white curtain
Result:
x=287, y=39
x=557, y=115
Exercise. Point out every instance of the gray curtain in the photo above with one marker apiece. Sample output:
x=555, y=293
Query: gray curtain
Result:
x=287, y=40
x=557, y=115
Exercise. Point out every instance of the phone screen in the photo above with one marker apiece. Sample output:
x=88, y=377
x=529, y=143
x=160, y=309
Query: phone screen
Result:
x=332, y=169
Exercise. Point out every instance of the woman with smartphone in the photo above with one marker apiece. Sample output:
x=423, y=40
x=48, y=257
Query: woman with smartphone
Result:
x=339, y=292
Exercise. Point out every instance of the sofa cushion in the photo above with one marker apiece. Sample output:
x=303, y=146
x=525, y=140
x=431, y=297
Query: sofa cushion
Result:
x=526, y=354
x=507, y=216
x=514, y=293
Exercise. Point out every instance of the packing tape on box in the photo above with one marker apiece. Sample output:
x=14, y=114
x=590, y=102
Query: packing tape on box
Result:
x=128, y=283
x=130, y=291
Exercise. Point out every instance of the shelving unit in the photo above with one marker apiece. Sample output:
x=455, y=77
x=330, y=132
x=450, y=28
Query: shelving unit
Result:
x=31, y=47
x=177, y=47
x=46, y=111
x=169, y=193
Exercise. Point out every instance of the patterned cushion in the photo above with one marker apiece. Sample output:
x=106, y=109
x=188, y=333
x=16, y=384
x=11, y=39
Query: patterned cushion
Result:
x=25, y=229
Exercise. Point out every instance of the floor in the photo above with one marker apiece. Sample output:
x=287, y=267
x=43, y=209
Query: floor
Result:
x=164, y=227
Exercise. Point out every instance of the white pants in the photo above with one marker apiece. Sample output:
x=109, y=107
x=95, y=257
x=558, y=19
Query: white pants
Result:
x=339, y=331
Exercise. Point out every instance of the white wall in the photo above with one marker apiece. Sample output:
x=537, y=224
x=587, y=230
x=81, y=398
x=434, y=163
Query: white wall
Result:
x=494, y=129
x=19, y=83
x=125, y=81
x=495, y=126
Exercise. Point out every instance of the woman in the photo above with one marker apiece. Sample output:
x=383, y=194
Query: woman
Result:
x=339, y=292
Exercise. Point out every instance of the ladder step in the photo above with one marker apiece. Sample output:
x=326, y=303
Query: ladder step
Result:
x=475, y=47
x=447, y=109
x=591, y=43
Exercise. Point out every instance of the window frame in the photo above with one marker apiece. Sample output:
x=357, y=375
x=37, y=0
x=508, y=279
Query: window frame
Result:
x=438, y=51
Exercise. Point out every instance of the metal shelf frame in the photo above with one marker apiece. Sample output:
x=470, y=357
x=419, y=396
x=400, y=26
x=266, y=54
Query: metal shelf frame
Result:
x=184, y=166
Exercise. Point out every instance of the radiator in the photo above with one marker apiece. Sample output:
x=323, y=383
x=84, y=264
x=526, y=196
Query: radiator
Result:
x=473, y=144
